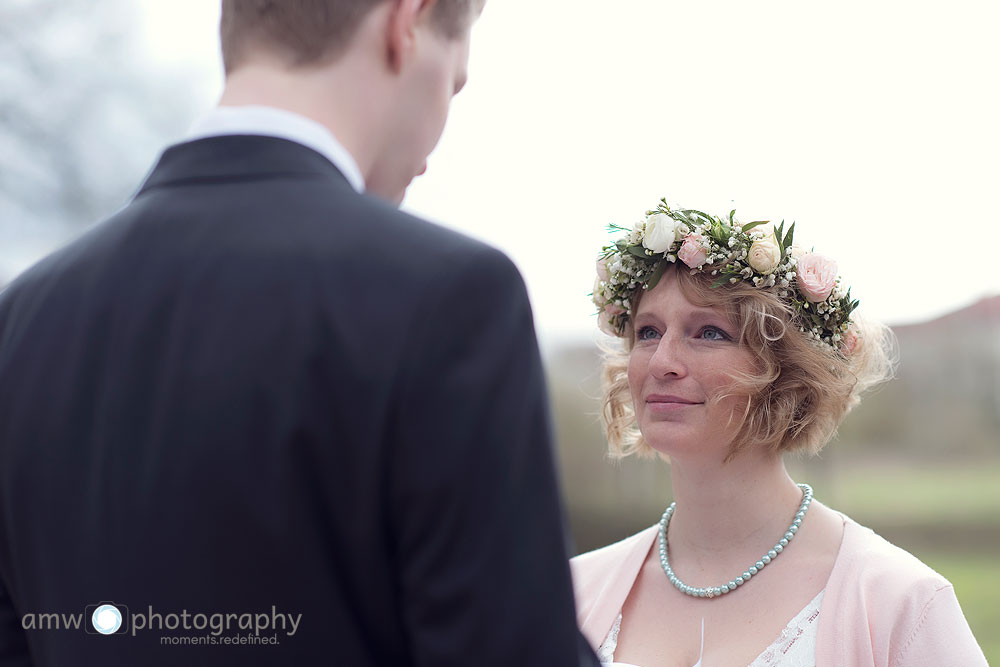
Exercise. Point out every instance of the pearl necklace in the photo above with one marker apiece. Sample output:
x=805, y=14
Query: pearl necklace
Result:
x=711, y=592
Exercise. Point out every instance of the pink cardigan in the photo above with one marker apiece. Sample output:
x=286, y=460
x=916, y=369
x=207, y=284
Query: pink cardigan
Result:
x=881, y=606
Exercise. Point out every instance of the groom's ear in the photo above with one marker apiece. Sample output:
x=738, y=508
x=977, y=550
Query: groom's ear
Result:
x=404, y=17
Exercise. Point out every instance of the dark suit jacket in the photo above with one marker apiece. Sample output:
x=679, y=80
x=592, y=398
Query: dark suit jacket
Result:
x=254, y=392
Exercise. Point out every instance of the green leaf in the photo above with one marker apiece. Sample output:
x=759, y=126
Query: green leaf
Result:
x=720, y=281
x=683, y=215
x=757, y=223
x=704, y=216
x=732, y=216
x=658, y=273
x=787, y=243
x=716, y=232
x=638, y=251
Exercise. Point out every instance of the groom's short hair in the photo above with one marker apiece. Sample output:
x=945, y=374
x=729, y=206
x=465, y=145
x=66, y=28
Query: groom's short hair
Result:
x=311, y=31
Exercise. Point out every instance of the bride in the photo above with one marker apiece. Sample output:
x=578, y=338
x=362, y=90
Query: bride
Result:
x=739, y=346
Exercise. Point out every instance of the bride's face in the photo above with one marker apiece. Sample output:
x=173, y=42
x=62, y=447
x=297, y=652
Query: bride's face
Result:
x=683, y=355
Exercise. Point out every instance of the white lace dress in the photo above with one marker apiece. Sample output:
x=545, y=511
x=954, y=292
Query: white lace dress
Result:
x=794, y=647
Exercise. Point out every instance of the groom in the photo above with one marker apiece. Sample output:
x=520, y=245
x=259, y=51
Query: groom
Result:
x=260, y=416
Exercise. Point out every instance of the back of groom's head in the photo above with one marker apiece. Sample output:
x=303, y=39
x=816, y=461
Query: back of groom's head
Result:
x=306, y=32
x=379, y=74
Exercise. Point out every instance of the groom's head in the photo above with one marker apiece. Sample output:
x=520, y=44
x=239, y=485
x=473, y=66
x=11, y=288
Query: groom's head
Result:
x=379, y=73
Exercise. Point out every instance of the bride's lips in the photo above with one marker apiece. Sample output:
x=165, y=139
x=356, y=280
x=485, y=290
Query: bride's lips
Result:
x=668, y=402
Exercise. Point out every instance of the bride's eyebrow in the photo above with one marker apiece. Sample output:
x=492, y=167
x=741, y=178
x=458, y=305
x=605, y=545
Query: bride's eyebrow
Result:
x=700, y=315
x=708, y=311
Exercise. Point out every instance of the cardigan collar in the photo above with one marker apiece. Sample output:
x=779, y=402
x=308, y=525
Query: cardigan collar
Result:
x=632, y=554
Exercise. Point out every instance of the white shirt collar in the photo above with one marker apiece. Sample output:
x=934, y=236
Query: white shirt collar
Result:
x=273, y=122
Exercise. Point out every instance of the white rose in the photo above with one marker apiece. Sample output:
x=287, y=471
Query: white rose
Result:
x=661, y=232
x=680, y=231
x=764, y=255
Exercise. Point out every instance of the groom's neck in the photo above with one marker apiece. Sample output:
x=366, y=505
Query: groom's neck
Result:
x=344, y=98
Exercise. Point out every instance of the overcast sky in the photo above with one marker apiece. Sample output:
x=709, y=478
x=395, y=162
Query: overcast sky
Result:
x=873, y=125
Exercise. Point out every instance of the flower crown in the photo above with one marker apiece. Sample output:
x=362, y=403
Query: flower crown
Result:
x=755, y=252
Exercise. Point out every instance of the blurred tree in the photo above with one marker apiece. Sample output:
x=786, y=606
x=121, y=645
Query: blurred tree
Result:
x=82, y=113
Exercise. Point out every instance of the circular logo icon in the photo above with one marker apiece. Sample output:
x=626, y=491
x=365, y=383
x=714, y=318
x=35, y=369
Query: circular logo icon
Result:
x=107, y=619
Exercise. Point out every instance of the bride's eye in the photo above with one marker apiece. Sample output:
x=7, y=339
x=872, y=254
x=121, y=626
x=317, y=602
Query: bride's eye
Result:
x=646, y=333
x=713, y=333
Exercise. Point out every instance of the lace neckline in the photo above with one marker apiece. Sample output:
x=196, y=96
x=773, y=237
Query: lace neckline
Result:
x=794, y=645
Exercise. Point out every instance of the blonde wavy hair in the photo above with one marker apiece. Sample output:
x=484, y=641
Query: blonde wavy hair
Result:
x=799, y=393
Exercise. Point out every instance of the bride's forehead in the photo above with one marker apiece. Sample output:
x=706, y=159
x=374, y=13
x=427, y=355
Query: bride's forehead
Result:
x=668, y=296
x=673, y=306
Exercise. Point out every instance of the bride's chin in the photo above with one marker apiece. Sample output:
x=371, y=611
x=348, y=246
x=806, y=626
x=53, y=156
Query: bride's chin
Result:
x=676, y=440
x=672, y=450
x=670, y=442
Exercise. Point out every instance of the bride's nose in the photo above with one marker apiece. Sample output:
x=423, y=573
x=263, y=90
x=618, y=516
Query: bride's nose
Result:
x=668, y=359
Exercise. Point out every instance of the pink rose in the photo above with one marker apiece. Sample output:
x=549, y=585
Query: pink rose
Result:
x=816, y=276
x=602, y=269
x=849, y=343
x=796, y=251
x=604, y=318
x=693, y=251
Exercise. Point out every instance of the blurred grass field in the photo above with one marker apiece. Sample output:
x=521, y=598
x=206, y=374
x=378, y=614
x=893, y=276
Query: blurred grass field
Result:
x=894, y=492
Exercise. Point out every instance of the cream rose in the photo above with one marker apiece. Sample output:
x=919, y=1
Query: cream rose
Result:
x=816, y=276
x=661, y=232
x=693, y=251
x=598, y=294
x=764, y=255
x=602, y=269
